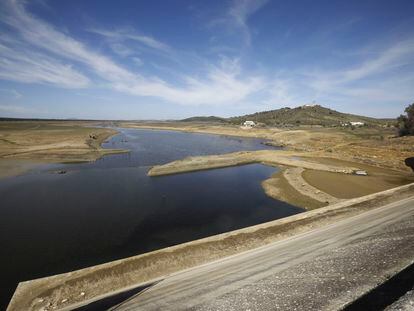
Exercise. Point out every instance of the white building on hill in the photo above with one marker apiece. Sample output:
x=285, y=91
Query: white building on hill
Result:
x=249, y=124
x=357, y=123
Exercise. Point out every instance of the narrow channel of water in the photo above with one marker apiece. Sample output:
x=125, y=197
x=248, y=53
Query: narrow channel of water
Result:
x=97, y=212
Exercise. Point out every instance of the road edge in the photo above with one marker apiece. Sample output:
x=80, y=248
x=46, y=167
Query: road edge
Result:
x=64, y=291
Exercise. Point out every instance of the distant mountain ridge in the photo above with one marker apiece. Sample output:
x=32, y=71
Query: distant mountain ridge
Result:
x=306, y=115
x=205, y=119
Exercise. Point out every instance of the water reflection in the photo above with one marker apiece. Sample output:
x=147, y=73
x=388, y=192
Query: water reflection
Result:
x=109, y=209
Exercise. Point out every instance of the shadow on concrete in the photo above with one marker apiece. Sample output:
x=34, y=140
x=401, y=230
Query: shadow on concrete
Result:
x=111, y=302
x=386, y=293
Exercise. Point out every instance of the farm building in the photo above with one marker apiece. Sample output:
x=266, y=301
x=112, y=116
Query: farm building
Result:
x=249, y=124
x=357, y=123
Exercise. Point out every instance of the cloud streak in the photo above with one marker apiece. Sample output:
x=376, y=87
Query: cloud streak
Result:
x=37, y=52
x=236, y=18
x=385, y=78
x=20, y=63
x=391, y=58
x=219, y=87
x=124, y=35
x=240, y=12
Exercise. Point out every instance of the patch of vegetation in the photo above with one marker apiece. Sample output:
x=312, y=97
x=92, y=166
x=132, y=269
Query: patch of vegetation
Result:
x=406, y=122
x=308, y=115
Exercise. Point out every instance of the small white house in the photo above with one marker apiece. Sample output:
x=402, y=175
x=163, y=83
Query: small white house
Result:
x=357, y=123
x=249, y=124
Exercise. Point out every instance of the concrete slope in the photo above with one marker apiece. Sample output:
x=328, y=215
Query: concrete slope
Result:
x=324, y=269
x=63, y=291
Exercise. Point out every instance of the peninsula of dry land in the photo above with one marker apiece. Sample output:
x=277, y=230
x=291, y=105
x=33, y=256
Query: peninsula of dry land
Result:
x=26, y=143
x=318, y=164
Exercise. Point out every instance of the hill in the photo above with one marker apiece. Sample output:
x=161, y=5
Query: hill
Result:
x=307, y=115
x=205, y=119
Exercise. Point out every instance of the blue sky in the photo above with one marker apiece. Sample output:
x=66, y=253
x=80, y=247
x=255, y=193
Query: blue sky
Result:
x=174, y=59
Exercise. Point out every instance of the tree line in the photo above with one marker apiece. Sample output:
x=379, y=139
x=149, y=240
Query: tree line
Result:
x=406, y=122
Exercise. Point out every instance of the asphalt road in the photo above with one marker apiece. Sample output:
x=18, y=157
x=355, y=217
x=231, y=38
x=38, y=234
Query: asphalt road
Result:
x=324, y=269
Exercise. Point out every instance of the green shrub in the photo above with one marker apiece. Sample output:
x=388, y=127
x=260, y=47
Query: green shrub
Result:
x=406, y=122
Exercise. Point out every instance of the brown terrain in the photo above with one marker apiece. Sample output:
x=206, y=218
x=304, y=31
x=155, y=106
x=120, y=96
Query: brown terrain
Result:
x=27, y=143
x=317, y=168
x=329, y=158
x=317, y=164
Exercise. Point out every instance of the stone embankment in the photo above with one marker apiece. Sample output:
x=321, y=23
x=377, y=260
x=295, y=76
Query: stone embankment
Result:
x=68, y=290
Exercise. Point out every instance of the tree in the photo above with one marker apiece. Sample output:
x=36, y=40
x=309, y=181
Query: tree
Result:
x=410, y=162
x=406, y=122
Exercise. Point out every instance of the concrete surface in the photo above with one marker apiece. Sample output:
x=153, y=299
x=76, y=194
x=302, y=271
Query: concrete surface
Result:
x=63, y=291
x=324, y=269
x=405, y=303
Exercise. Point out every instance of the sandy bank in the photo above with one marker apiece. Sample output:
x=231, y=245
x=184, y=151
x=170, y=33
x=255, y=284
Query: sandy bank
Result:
x=268, y=157
x=375, y=146
x=26, y=143
x=295, y=179
x=279, y=188
x=293, y=174
x=64, y=290
x=306, y=180
x=375, y=150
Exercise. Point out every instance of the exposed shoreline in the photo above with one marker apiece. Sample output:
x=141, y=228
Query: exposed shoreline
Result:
x=295, y=166
x=314, y=168
x=370, y=146
x=25, y=145
x=305, y=150
x=66, y=142
x=290, y=185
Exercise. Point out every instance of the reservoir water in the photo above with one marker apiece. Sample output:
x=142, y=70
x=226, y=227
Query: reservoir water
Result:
x=109, y=209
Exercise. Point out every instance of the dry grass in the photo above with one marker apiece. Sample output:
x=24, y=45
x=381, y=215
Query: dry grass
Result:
x=48, y=140
x=25, y=142
x=375, y=150
x=376, y=146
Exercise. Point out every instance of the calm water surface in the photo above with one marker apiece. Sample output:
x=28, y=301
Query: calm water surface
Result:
x=109, y=209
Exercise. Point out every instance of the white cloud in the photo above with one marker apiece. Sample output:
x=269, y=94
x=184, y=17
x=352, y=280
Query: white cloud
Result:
x=121, y=49
x=381, y=62
x=39, y=53
x=126, y=34
x=237, y=16
x=20, y=63
x=384, y=79
x=137, y=61
x=40, y=34
x=220, y=87
x=280, y=93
